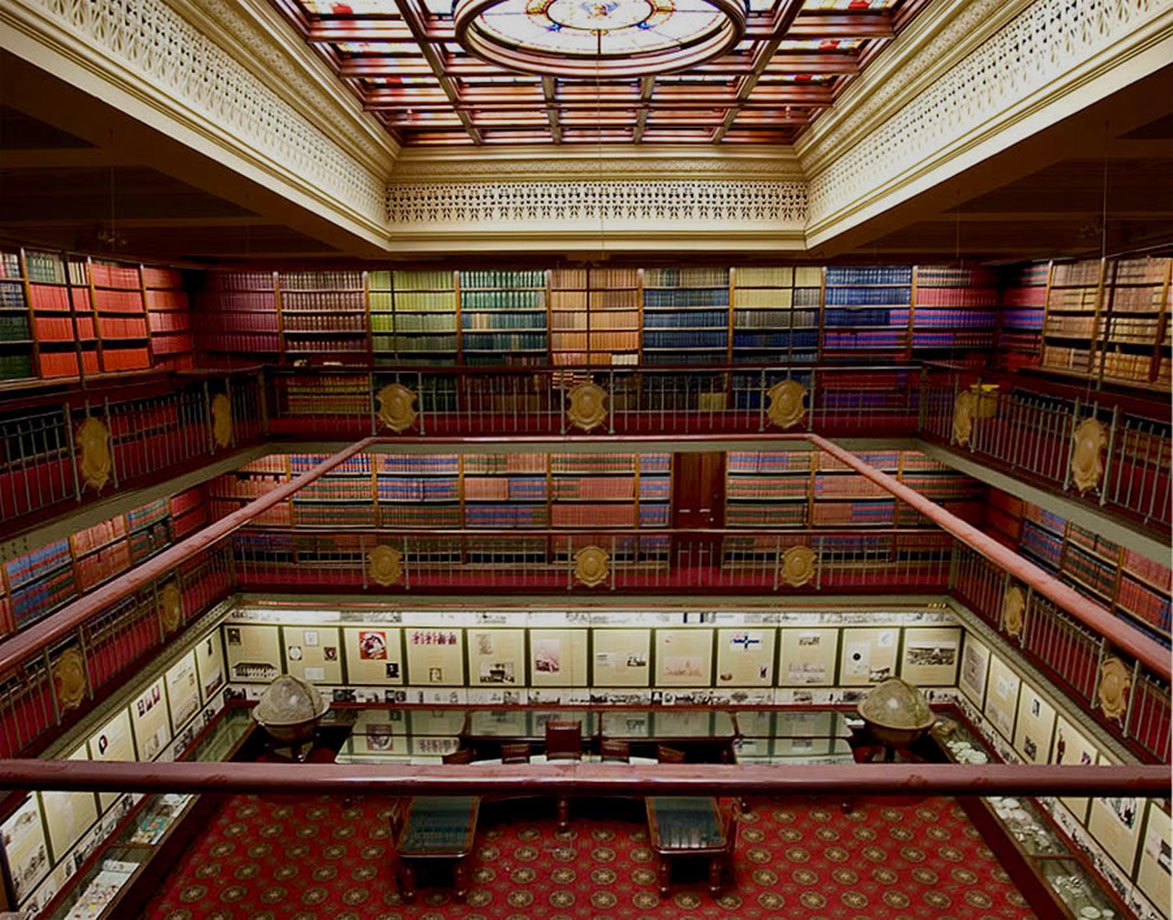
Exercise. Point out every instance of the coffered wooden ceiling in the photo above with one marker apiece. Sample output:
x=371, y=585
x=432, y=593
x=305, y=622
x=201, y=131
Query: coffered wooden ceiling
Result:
x=400, y=57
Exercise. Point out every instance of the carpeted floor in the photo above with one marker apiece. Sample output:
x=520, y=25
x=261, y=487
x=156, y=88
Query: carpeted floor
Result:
x=312, y=859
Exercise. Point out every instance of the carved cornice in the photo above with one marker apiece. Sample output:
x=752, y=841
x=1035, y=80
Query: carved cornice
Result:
x=1018, y=80
x=147, y=54
x=623, y=163
x=262, y=40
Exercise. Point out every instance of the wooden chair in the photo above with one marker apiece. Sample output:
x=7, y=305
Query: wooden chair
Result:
x=462, y=756
x=515, y=753
x=665, y=754
x=395, y=820
x=563, y=741
x=724, y=867
x=615, y=751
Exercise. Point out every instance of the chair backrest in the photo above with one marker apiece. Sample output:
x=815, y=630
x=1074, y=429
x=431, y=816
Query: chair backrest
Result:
x=732, y=824
x=395, y=819
x=515, y=753
x=458, y=757
x=615, y=751
x=564, y=741
x=665, y=754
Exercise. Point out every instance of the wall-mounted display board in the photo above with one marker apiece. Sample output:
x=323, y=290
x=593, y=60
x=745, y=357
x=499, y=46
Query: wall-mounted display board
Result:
x=254, y=653
x=1073, y=747
x=621, y=657
x=26, y=852
x=496, y=657
x=112, y=742
x=1034, y=726
x=68, y=815
x=1116, y=822
x=209, y=656
x=150, y=721
x=868, y=655
x=975, y=667
x=374, y=654
x=183, y=691
x=1156, y=857
x=559, y=657
x=684, y=657
x=1002, y=689
x=930, y=656
x=435, y=656
x=745, y=657
x=313, y=653
x=808, y=657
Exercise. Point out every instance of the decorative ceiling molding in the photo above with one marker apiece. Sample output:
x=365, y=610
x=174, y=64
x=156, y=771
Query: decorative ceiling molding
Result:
x=593, y=215
x=924, y=52
x=1050, y=61
x=261, y=39
x=418, y=165
x=149, y=60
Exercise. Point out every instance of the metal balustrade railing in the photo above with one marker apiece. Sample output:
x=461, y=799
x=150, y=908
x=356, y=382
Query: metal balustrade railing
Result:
x=57, y=668
x=447, y=402
x=59, y=452
x=1113, y=451
x=331, y=560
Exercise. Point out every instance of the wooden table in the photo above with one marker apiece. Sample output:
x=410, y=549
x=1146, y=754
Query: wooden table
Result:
x=688, y=826
x=436, y=828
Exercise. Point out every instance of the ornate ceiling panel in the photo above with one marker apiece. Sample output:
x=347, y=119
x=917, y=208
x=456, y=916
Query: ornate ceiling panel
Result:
x=402, y=59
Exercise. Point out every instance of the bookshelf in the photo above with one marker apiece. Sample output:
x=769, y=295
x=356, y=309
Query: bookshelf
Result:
x=609, y=490
x=1074, y=299
x=954, y=311
x=866, y=312
x=16, y=321
x=503, y=317
x=776, y=314
x=120, y=312
x=1023, y=303
x=1133, y=332
x=595, y=316
x=418, y=490
x=768, y=489
x=150, y=529
x=323, y=316
x=685, y=315
x=169, y=318
x=1042, y=536
x=40, y=582
x=62, y=314
x=426, y=314
x=230, y=492
x=505, y=490
x=238, y=317
x=344, y=497
x=778, y=489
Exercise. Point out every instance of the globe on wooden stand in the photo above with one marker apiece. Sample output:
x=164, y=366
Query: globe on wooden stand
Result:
x=897, y=716
x=289, y=711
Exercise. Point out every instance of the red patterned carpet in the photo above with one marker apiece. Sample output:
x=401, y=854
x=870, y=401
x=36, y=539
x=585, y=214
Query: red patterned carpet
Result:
x=312, y=859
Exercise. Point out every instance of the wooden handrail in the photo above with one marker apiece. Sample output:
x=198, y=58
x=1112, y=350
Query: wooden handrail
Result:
x=1148, y=652
x=38, y=636
x=587, y=778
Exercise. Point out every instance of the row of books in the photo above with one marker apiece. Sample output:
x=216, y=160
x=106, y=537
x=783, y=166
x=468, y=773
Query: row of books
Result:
x=15, y=327
x=867, y=296
x=332, y=280
x=502, y=279
x=12, y=295
x=169, y=321
x=326, y=322
x=114, y=275
x=502, y=300
x=512, y=488
x=858, y=275
x=494, y=321
x=292, y=301
x=685, y=297
x=413, y=322
x=612, y=319
x=598, y=278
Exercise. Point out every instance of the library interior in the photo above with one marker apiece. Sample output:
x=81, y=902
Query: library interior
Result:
x=573, y=459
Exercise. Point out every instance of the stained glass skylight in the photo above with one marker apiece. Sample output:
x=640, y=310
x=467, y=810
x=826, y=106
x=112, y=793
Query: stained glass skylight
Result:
x=453, y=72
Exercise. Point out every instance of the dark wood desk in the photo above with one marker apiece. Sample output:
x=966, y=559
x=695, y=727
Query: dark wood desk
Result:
x=707, y=734
x=487, y=729
x=688, y=826
x=436, y=828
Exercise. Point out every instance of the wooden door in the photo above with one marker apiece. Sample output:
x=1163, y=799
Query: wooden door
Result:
x=698, y=490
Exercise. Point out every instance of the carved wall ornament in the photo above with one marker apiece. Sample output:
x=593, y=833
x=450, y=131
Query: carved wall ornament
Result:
x=1112, y=690
x=386, y=565
x=396, y=407
x=787, y=403
x=221, y=420
x=1013, y=611
x=963, y=411
x=93, y=439
x=69, y=679
x=591, y=565
x=588, y=406
x=170, y=607
x=798, y=566
x=1087, y=448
